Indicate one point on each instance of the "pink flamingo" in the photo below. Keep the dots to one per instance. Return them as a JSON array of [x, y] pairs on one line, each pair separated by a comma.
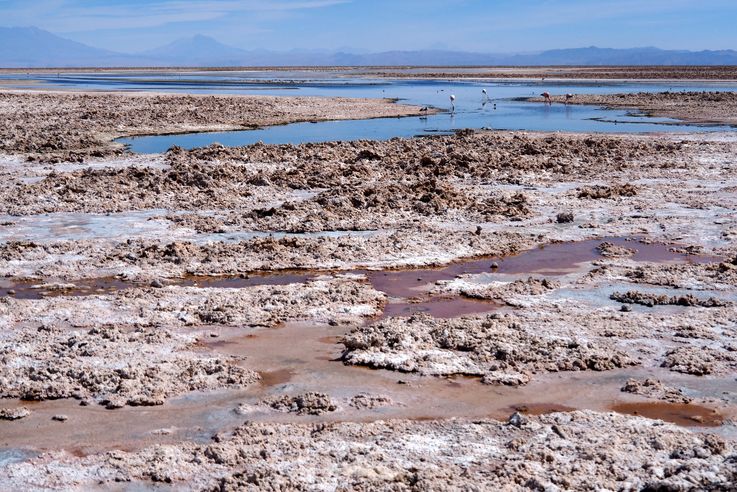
[[546, 96], [569, 96]]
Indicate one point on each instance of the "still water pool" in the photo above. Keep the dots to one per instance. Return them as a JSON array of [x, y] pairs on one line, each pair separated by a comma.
[[501, 111]]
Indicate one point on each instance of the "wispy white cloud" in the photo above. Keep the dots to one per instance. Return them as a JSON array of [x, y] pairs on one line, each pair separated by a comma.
[[555, 13], [480, 25], [71, 15]]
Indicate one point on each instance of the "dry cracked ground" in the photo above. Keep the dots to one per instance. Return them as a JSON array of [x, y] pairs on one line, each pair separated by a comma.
[[482, 311]]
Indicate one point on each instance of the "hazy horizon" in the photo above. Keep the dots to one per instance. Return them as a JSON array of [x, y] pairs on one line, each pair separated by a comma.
[[200, 36], [134, 26]]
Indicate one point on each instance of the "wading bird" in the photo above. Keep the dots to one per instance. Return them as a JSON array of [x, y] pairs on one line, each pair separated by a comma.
[[569, 96], [452, 103], [486, 96], [546, 96]]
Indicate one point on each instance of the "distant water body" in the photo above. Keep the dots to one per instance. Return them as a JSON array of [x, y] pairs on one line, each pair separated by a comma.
[[502, 110]]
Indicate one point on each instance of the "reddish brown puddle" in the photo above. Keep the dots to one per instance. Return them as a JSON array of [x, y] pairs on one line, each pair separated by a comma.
[[551, 259], [330, 340], [440, 307], [539, 408], [249, 280], [35, 289], [684, 414], [274, 378]]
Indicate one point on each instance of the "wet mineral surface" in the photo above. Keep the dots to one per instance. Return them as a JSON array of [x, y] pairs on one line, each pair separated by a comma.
[[490, 310]]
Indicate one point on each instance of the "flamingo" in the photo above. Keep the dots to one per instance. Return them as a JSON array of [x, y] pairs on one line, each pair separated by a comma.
[[569, 96], [452, 103], [486, 96], [546, 96]]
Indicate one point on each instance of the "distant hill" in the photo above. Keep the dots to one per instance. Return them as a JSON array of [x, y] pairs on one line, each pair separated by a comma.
[[31, 47], [575, 56], [27, 47], [632, 56], [197, 50]]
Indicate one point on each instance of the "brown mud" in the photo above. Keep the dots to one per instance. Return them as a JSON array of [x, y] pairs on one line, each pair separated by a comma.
[[35, 289], [52, 127], [539, 408], [553, 259], [439, 307], [684, 414], [310, 372], [550, 260], [694, 107], [288, 369]]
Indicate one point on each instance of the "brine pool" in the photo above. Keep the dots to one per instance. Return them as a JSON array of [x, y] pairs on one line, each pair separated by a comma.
[[501, 110]]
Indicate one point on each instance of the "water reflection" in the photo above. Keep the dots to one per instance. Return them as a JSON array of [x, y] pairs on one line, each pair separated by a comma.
[[472, 106]]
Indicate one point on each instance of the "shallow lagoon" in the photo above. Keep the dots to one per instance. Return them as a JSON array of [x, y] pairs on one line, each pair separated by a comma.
[[502, 110]]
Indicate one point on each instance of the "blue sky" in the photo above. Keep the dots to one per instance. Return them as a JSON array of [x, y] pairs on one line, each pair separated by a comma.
[[377, 25]]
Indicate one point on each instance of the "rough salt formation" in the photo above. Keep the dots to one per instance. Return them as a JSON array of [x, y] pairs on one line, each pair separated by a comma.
[[611, 250], [14, 413], [500, 350], [464, 155], [425, 197], [701, 361], [428, 201], [508, 292], [305, 404], [369, 402], [406, 179], [653, 388], [540, 331], [147, 259], [389, 205], [650, 300], [111, 366], [599, 192], [74, 126], [330, 299], [709, 276], [571, 451], [697, 337]]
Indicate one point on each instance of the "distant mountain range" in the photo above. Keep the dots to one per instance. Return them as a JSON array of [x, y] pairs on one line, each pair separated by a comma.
[[198, 50], [30, 47]]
